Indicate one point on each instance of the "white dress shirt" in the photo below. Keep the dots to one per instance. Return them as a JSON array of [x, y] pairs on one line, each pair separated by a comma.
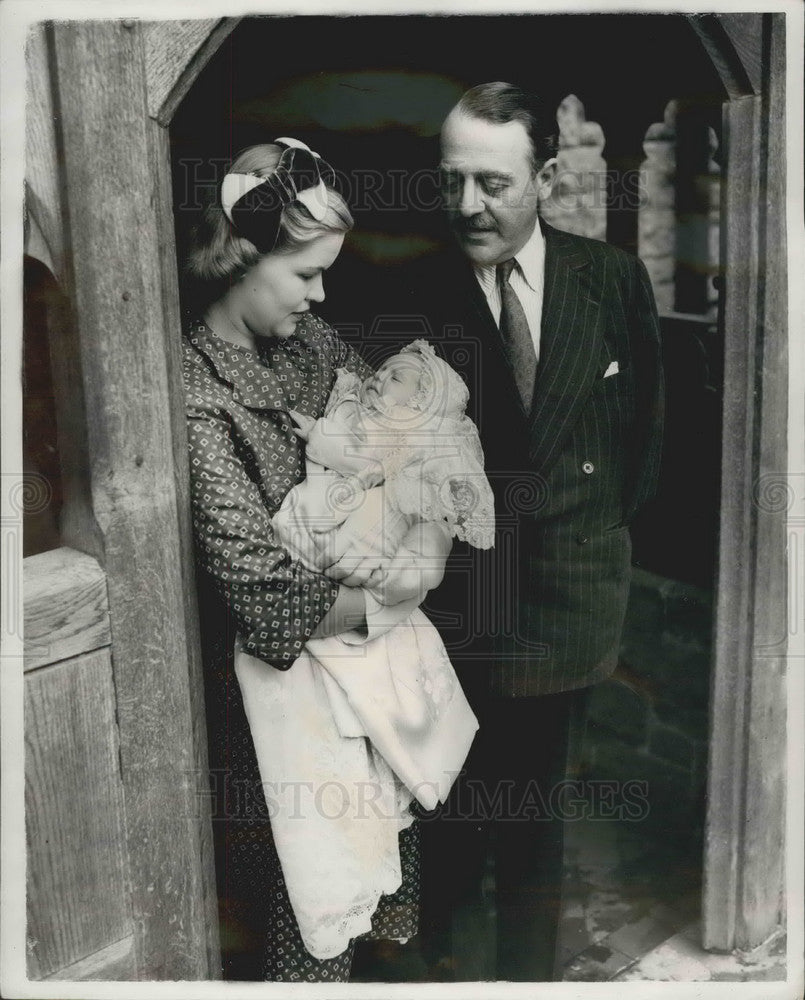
[[526, 279]]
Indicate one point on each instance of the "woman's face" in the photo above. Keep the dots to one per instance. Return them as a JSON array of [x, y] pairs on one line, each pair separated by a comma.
[[273, 295]]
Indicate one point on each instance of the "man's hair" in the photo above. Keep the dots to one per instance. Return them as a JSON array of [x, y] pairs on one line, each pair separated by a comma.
[[501, 103]]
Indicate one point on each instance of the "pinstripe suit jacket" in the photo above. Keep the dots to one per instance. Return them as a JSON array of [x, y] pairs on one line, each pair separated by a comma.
[[543, 611]]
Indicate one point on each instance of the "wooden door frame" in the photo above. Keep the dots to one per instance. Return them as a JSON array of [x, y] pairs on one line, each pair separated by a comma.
[[744, 857], [160, 62]]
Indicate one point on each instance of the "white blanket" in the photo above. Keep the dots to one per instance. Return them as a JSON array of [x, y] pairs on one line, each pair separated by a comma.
[[336, 809], [345, 739]]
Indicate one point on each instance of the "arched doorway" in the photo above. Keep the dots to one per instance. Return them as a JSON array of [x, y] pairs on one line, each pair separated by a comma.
[[320, 96]]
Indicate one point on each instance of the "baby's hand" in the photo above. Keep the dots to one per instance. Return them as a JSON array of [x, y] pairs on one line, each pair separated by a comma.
[[304, 424]]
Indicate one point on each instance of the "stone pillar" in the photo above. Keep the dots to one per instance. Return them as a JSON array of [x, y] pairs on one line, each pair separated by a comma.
[[656, 222], [578, 200]]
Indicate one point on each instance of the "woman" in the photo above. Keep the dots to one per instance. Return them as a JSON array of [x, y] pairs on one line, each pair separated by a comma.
[[257, 352]]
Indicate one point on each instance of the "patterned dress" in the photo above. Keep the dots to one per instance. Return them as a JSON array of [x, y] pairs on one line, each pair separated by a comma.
[[244, 458]]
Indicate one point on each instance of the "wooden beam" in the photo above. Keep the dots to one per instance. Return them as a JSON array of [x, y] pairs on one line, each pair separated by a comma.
[[744, 847], [733, 611], [731, 41], [160, 169], [762, 881], [116, 282], [66, 607], [175, 54]]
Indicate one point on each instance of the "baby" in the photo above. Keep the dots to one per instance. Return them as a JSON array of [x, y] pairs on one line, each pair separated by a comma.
[[404, 429], [369, 721]]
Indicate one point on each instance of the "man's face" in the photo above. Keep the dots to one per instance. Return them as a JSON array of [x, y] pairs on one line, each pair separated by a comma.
[[490, 192]]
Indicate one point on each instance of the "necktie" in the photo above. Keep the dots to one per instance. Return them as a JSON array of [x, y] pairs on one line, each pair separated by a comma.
[[516, 335]]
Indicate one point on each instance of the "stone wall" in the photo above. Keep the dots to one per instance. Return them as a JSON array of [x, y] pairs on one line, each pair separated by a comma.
[[649, 722]]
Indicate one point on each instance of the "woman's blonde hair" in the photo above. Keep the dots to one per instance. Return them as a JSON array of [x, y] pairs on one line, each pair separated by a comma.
[[219, 256]]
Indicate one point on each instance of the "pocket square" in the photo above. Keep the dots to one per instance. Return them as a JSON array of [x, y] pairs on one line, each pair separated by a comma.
[[612, 369]]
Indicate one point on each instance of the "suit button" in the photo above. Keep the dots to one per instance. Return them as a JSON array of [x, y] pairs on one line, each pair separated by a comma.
[[581, 538], [587, 468]]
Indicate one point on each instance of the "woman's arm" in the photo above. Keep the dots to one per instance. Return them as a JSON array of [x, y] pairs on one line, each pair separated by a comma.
[[347, 614], [277, 603]]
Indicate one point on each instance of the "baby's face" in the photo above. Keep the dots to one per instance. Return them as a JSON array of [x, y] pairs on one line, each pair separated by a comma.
[[396, 381]]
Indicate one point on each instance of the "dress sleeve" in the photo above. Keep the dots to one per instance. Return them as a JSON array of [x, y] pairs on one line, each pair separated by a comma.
[[277, 603]]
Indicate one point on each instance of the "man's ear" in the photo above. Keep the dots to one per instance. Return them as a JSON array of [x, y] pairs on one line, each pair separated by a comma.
[[546, 176]]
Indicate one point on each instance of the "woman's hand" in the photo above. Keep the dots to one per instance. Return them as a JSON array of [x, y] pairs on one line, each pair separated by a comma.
[[303, 424]]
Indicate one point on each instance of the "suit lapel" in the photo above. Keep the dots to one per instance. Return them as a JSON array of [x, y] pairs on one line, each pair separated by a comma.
[[570, 344]]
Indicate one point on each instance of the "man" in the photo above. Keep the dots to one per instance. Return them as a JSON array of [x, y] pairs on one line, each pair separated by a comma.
[[566, 387]]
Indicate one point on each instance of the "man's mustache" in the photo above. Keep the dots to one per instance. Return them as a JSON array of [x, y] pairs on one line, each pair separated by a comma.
[[477, 225]]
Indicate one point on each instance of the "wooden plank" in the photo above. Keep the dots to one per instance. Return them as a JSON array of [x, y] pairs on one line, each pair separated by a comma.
[[175, 53], [730, 694], [766, 761], [746, 796], [115, 963], [116, 280], [77, 877], [66, 607]]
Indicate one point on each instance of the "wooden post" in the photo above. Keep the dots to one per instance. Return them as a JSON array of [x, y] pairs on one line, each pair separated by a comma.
[[113, 229], [744, 848], [159, 151]]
